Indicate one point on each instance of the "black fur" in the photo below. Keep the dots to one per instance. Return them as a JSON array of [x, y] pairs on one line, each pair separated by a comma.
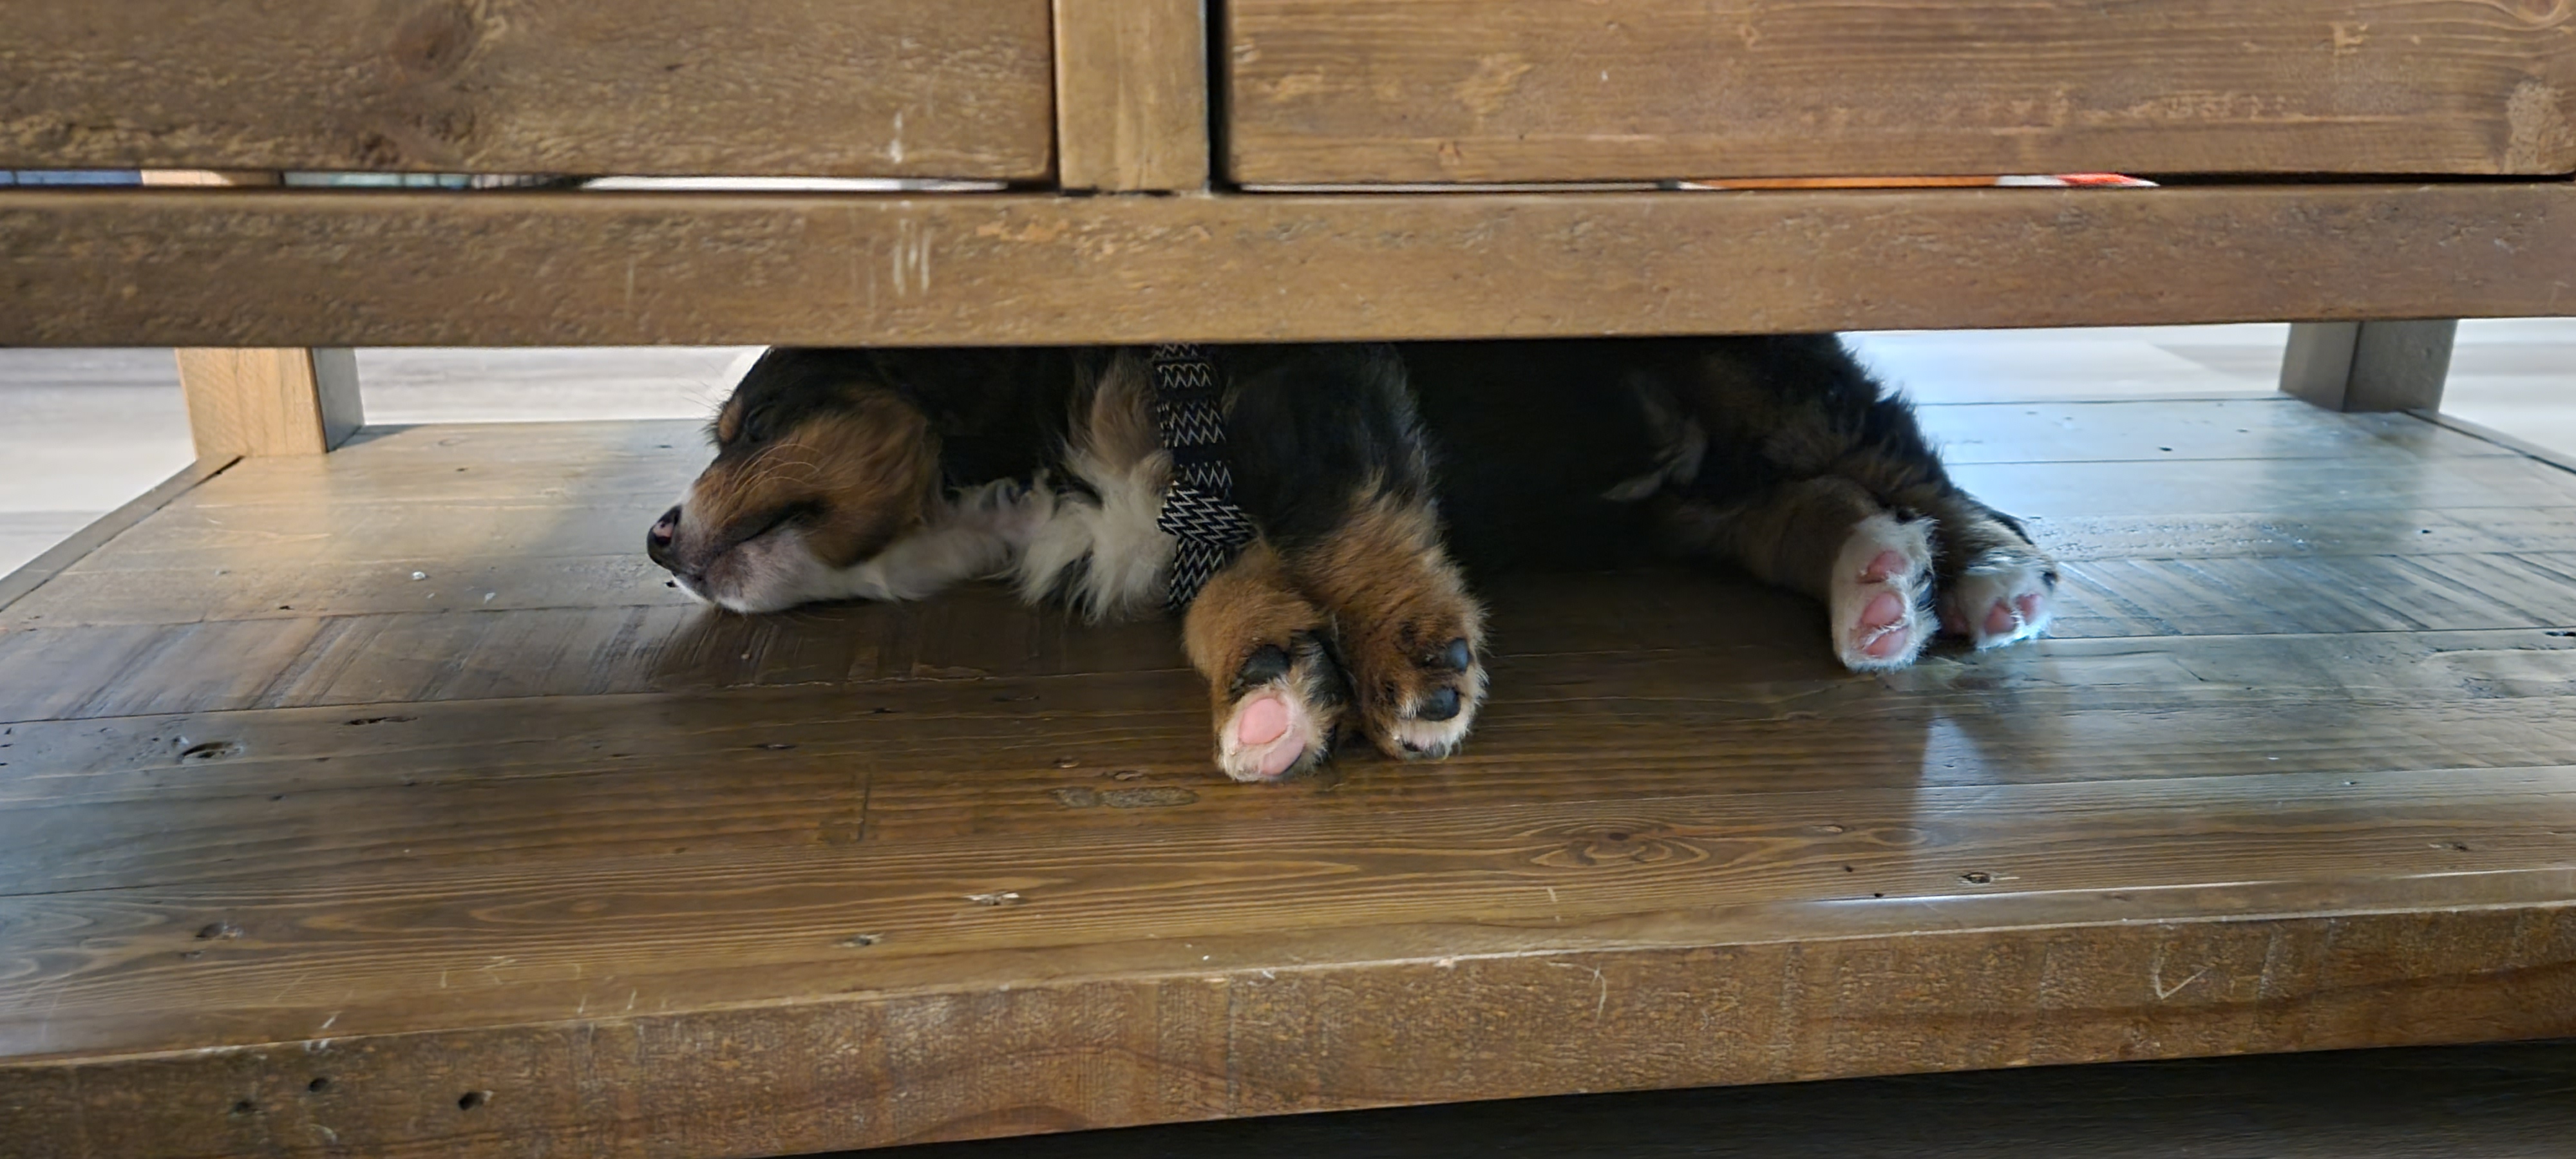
[[1518, 442]]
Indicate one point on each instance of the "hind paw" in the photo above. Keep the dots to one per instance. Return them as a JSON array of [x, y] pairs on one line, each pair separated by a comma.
[[1280, 715], [1880, 591], [2000, 598]]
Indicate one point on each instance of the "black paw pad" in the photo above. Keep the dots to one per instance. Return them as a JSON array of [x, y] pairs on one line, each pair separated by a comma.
[[1456, 657], [1438, 704], [1267, 663]]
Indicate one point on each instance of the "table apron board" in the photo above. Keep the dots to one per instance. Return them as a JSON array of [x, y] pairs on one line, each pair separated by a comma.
[[265, 268]]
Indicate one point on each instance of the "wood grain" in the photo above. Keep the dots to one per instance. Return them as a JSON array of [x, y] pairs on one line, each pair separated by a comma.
[[686, 87], [1531, 90], [114, 970], [1184, 1039], [1131, 95], [147, 267]]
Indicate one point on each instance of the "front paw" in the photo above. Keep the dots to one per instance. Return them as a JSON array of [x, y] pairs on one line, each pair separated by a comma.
[[1280, 713], [2001, 597], [1880, 593], [1419, 683]]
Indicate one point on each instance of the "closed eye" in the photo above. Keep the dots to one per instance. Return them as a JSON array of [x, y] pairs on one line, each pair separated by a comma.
[[746, 530]]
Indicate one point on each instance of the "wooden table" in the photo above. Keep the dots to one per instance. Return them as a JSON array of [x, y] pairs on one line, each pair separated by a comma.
[[386, 802]]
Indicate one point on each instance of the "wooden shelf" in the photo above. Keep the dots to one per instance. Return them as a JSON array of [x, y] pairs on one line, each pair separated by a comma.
[[387, 802], [346, 268]]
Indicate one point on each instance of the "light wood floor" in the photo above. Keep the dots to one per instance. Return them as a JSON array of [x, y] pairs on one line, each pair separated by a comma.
[[390, 802]]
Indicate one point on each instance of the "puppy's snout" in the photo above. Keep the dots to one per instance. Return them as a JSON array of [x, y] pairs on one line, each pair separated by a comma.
[[657, 542]]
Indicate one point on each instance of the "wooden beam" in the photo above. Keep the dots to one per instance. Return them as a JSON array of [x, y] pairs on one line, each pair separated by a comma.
[[888, 88], [1174, 1036], [1131, 95], [320, 267], [2369, 366], [262, 402], [1541, 90], [291, 401]]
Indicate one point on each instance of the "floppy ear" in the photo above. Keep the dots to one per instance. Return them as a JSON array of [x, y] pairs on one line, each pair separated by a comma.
[[878, 462], [851, 476]]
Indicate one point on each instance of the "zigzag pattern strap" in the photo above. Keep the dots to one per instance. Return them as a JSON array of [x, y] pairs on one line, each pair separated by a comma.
[[1198, 505]]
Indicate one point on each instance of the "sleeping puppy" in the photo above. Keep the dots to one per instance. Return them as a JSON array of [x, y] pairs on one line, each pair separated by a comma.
[[1367, 473]]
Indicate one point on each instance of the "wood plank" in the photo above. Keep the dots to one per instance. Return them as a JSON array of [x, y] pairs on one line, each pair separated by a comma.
[[2419, 531], [1132, 95], [166, 797], [2100, 432], [2283, 486], [686, 87], [764, 923], [2421, 949], [409, 268], [723, 1083], [1529, 90], [2501, 1101], [363, 793]]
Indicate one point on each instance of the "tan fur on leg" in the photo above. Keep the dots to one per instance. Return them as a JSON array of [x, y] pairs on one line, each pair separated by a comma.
[[1409, 632], [1277, 696]]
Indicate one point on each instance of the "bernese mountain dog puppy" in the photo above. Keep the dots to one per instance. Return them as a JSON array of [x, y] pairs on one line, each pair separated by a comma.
[[1368, 475]]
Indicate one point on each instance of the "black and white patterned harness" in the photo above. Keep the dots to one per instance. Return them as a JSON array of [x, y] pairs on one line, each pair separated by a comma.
[[1198, 506]]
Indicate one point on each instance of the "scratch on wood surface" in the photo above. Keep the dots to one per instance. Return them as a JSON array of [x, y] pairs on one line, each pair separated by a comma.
[[1599, 1004], [2156, 977], [911, 258]]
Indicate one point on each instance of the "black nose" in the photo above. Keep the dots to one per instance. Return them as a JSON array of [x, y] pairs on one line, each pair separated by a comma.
[[657, 542]]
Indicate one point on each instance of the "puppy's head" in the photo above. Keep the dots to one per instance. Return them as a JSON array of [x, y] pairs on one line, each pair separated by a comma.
[[820, 465]]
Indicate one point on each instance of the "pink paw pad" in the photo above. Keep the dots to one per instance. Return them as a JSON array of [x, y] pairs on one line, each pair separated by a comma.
[[1262, 721], [1879, 624], [1874, 597]]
